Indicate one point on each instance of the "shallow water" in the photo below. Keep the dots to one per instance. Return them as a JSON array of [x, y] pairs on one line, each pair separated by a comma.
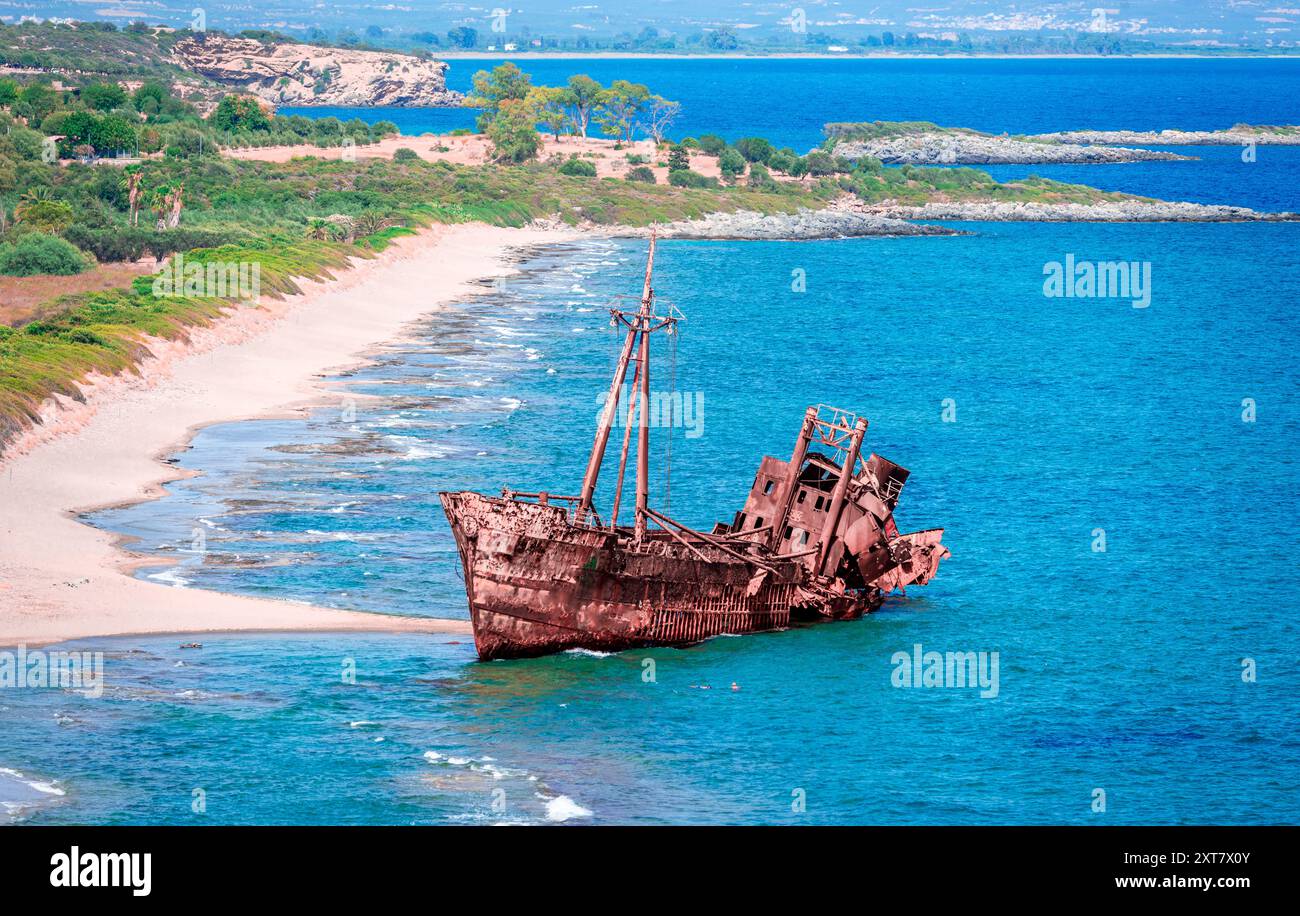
[[1118, 670]]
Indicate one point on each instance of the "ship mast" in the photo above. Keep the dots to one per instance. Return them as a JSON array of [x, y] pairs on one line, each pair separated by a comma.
[[640, 325]]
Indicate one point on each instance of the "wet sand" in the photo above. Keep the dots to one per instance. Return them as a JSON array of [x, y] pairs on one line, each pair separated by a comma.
[[61, 579]]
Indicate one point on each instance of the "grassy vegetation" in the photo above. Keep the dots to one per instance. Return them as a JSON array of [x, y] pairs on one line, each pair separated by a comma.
[[880, 130], [912, 185], [264, 210]]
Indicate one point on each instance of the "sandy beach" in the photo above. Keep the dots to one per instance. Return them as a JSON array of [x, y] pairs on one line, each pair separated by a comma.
[[610, 158], [61, 579]]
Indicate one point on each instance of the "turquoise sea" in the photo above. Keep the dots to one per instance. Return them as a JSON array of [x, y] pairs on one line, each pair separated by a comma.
[[1073, 420]]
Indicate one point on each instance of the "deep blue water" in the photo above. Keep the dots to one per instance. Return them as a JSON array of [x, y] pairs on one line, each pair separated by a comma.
[[1118, 670], [789, 100]]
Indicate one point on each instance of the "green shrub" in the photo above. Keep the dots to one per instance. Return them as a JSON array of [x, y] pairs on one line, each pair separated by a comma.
[[760, 179], [580, 168], [41, 254], [731, 163], [712, 144], [641, 173], [755, 149], [685, 178], [405, 154]]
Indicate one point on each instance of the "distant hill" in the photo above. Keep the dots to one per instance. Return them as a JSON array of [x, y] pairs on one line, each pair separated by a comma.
[[276, 69]]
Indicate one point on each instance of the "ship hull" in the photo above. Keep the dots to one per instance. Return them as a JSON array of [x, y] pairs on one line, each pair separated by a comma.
[[538, 584]]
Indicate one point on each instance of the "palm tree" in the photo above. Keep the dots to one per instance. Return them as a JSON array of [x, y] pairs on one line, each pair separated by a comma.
[[320, 229], [370, 222], [131, 184]]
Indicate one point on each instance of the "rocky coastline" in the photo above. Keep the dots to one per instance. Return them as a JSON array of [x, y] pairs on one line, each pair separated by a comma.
[[1110, 211], [306, 75], [961, 148], [1280, 135], [802, 225]]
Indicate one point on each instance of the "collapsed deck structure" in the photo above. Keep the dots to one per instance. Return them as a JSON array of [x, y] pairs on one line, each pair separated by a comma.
[[816, 539]]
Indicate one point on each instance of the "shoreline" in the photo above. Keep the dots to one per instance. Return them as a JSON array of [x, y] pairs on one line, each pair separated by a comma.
[[63, 579]]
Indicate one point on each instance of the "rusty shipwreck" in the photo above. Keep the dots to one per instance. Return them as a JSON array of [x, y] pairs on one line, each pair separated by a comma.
[[816, 539]]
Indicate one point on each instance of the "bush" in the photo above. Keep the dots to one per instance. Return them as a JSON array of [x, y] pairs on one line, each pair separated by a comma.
[[760, 178], [782, 161], [731, 163], [127, 243], [755, 149], [578, 167], [712, 144], [685, 178], [41, 254], [405, 154], [641, 173]]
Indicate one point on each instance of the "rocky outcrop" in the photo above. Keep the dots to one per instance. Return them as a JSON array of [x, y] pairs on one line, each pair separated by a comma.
[[1110, 211], [294, 74], [962, 148], [1280, 135], [802, 225]]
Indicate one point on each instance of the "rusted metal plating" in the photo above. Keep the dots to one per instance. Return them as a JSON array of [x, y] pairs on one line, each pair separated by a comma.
[[816, 539]]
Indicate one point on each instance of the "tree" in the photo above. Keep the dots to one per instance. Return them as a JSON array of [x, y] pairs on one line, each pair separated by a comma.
[[513, 131], [463, 37], [149, 98], [755, 149], [131, 183], [40, 213], [551, 110], [820, 162], [505, 82], [624, 104], [678, 159], [583, 95], [40, 99], [722, 40], [319, 229], [166, 204], [112, 134], [712, 144], [104, 96], [76, 127], [781, 160], [660, 114], [731, 164], [234, 113], [8, 91]]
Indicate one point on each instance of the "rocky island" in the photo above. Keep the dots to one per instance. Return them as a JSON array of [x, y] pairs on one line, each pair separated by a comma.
[[285, 74], [923, 143], [1237, 135]]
